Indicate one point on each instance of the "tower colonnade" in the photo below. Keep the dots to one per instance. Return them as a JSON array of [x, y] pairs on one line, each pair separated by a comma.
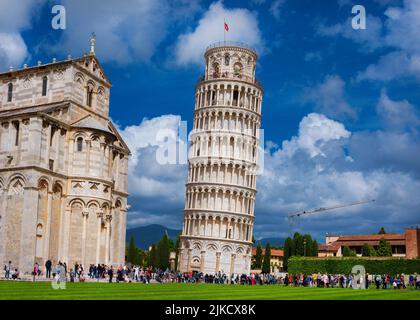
[[223, 154]]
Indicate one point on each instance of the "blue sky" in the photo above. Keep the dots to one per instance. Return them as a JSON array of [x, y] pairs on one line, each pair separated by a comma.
[[340, 109]]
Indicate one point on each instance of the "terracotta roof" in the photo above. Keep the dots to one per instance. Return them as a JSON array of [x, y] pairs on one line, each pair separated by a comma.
[[333, 247], [274, 252], [372, 237], [359, 240]]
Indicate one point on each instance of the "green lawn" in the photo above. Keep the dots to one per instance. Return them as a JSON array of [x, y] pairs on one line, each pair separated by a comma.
[[86, 291]]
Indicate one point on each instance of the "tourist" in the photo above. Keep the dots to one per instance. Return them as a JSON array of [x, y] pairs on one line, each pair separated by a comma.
[[35, 271], [48, 265], [110, 274], [15, 275], [377, 281], [7, 269], [82, 277]]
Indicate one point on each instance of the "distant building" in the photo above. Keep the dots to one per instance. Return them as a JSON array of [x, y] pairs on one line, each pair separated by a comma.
[[276, 259], [403, 245]]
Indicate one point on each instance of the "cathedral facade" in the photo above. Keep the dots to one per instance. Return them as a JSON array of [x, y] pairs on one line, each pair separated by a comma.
[[63, 167], [221, 188]]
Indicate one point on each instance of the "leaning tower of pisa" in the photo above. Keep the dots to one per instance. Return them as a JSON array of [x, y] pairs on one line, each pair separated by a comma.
[[221, 187]]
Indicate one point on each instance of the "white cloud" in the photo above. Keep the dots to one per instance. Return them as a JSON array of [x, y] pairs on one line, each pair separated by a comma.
[[155, 189], [328, 98], [315, 130], [398, 115], [313, 56], [243, 27], [275, 8], [299, 180], [368, 39], [397, 64], [402, 25], [15, 18], [13, 50], [323, 165], [125, 33]]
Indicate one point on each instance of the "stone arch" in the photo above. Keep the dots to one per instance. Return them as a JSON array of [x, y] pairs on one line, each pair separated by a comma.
[[17, 177], [14, 217], [227, 249], [79, 79], [45, 180], [93, 223], [116, 227], [211, 247], [78, 201], [77, 207], [56, 220], [78, 134], [100, 94]]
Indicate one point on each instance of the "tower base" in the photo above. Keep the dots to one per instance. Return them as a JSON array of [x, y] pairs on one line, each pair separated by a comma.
[[212, 256]]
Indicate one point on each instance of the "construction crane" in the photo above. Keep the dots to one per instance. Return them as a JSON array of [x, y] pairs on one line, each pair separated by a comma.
[[293, 215]]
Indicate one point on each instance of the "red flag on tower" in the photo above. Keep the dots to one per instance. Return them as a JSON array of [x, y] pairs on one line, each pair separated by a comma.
[[226, 27]]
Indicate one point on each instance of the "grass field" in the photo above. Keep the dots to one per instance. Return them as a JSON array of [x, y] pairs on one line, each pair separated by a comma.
[[133, 291]]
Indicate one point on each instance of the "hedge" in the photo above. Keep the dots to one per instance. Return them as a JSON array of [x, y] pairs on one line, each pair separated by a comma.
[[343, 265]]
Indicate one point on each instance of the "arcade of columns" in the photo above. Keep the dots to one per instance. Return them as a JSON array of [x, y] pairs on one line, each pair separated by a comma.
[[221, 188]]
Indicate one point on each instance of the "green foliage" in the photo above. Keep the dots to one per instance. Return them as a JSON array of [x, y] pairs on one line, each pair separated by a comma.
[[288, 251], [347, 252], [266, 262], [382, 231], [300, 245], [368, 250], [176, 249], [163, 249], [344, 265], [258, 257], [384, 248], [134, 255], [153, 256]]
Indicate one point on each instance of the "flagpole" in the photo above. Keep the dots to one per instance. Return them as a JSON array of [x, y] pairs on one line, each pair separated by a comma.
[[224, 30]]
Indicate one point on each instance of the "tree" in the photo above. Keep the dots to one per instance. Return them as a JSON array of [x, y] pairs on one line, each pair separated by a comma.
[[384, 248], [132, 251], [176, 249], [368, 250], [163, 249], [347, 252], [288, 251], [299, 245], [266, 265], [314, 249], [382, 231], [258, 257], [153, 257]]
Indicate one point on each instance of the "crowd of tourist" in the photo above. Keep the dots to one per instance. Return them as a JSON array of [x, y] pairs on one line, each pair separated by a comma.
[[139, 274]]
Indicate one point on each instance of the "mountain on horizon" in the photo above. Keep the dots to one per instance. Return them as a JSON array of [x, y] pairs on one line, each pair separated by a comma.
[[274, 242], [145, 236]]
